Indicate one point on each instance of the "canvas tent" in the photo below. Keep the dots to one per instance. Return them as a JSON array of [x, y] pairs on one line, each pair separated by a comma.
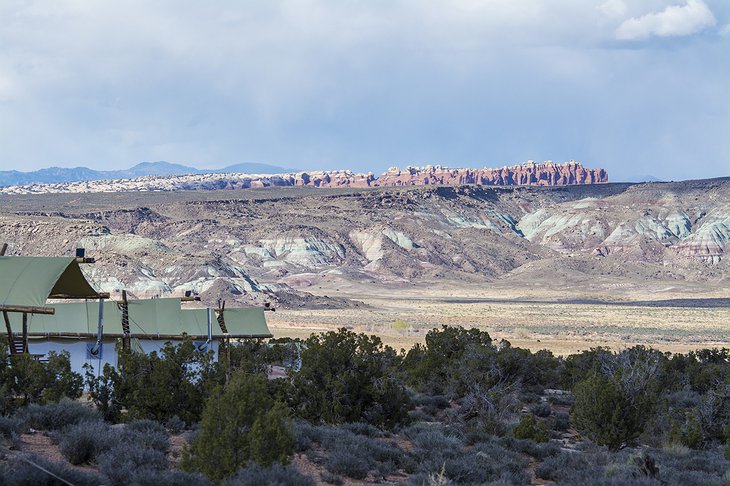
[[152, 323], [30, 281], [26, 283]]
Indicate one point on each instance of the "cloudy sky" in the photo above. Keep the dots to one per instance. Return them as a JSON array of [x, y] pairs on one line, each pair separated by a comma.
[[639, 87]]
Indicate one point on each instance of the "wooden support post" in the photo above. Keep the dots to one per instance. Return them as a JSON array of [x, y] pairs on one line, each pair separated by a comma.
[[25, 332], [126, 341], [100, 295], [8, 327], [26, 309], [221, 318]]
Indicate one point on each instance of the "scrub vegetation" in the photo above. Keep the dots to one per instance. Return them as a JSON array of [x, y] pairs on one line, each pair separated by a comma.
[[459, 409]]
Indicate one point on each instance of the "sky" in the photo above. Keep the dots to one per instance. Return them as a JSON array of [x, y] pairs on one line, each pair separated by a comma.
[[638, 87]]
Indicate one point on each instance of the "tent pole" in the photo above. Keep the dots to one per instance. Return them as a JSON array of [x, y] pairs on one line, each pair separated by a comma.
[[210, 327], [25, 332], [99, 328]]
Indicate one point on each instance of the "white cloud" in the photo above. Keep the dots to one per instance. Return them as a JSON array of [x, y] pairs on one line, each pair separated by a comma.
[[613, 8], [674, 20], [725, 32], [343, 83]]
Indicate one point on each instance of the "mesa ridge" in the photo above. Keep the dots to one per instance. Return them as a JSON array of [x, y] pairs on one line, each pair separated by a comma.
[[529, 174]]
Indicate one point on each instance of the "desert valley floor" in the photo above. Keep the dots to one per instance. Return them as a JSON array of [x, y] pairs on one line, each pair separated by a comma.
[[562, 268]]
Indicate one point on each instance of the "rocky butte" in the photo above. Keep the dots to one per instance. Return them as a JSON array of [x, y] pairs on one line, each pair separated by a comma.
[[528, 174]]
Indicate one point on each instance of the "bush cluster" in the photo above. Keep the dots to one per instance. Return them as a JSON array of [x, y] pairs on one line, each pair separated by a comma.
[[240, 424], [24, 380], [460, 409], [349, 377], [172, 383]]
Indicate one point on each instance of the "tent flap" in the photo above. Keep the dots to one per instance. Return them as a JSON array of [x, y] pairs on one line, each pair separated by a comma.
[[246, 322]]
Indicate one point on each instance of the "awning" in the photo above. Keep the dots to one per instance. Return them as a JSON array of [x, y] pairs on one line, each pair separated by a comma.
[[73, 319], [155, 317], [30, 281], [148, 319], [194, 322], [246, 322]]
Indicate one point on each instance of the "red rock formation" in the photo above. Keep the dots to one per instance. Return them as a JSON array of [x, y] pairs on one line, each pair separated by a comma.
[[545, 174]]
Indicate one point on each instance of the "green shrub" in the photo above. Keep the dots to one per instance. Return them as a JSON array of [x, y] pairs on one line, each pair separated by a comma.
[[603, 413], [542, 410], [271, 437], [240, 424], [127, 463], [249, 356], [25, 380], [349, 377], [56, 416], [530, 447], [10, 427], [274, 475], [19, 472], [688, 434], [439, 454], [529, 428], [431, 367], [157, 386], [146, 434], [62, 382], [355, 456], [175, 424], [84, 442]]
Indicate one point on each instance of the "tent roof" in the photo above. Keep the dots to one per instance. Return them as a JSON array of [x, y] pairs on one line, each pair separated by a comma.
[[148, 319], [30, 281]]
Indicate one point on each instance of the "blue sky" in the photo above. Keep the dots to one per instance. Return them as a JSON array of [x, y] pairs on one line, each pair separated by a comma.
[[635, 86]]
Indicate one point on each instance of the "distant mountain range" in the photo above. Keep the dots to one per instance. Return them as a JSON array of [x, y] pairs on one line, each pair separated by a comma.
[[643, 178], [54, 175]]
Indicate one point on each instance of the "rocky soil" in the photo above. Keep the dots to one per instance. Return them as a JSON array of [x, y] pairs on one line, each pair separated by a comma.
[[286, 244]]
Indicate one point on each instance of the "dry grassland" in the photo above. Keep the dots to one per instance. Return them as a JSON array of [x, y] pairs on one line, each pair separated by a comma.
[[557, 323]]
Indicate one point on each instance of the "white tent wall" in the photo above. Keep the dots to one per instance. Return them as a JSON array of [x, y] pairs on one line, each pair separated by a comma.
[[77, 349]]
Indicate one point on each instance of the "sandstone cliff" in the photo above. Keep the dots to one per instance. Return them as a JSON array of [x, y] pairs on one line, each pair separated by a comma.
[[529, 174], [545, 174]]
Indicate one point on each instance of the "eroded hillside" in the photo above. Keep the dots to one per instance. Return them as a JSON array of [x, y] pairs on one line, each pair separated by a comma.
[[276, 244]]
